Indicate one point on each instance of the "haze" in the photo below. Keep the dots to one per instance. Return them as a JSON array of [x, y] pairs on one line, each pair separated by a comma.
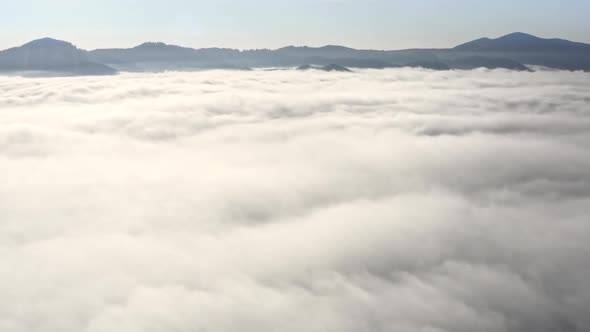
[[376, 24]]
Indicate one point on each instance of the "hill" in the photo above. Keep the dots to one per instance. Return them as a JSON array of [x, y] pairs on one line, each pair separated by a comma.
[[51, 55], [522, 42]]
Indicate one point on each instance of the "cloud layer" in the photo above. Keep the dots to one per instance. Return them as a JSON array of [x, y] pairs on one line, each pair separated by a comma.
[[395, 200]]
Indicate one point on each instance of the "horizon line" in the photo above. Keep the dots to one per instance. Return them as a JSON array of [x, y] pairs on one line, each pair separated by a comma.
[[283, 47]]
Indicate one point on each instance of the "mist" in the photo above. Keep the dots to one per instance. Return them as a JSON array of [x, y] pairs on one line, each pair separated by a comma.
[[379, 200]]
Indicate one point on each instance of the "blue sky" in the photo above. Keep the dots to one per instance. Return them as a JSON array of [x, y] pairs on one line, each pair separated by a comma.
[[380, 24]]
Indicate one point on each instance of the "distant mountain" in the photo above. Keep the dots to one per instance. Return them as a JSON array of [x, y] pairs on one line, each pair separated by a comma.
[[522, 42], [51, 55], [366, 63], [529, 49], [158, 56], [324, 51], [514, 51]]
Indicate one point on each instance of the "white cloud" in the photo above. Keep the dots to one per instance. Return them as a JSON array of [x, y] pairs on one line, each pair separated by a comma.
[[406, 200]]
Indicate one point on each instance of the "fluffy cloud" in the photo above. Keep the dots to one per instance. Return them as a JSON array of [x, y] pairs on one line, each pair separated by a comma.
[[394, 200]]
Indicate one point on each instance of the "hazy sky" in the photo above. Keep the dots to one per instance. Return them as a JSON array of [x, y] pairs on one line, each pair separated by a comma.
[[381, 24]]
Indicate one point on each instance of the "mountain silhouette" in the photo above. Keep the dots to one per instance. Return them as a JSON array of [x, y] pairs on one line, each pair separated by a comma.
[[522, 42], [158, 56], [51, 55], [531, 50], [514, 52]]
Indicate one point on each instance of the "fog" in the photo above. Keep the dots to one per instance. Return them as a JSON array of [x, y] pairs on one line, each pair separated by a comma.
[[394, 200]]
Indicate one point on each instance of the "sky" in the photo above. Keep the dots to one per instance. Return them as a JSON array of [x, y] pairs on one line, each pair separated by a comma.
[[376, 24]]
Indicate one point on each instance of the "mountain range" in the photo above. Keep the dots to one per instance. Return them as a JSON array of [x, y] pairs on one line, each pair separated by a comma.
[[516, 51]]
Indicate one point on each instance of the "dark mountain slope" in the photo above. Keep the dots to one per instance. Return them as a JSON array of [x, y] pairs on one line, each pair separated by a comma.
[[528, 49], [522, 42], [51, 55], [159, 56]]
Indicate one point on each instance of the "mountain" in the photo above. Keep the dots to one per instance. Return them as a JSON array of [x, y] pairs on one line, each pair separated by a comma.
[[324, 51], [366, 63], [53, 56], [514, 51], [522, 42], [530, 50], [158, 56]]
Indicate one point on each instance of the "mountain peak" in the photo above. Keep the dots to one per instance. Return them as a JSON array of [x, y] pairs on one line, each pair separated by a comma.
[[48, 42], [335, 48], [152, 45], [159, 46], [521, 42], [521, 38], [51, 55], [518, 36]]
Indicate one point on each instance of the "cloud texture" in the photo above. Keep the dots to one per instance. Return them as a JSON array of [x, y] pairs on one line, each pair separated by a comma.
[[395, 200]]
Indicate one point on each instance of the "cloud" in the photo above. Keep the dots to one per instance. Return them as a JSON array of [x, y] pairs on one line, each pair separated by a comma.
[[405, 200]]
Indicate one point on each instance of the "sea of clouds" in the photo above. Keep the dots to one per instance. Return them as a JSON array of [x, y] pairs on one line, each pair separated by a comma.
[[396, 200]]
